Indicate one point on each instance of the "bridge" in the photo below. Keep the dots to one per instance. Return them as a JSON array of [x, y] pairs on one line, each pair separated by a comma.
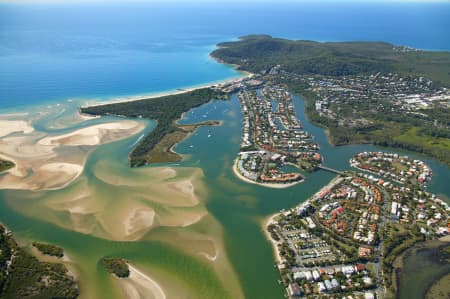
[[330, 169]]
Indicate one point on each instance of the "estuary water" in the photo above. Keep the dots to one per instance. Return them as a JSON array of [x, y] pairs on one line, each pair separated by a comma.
[[50, 54]]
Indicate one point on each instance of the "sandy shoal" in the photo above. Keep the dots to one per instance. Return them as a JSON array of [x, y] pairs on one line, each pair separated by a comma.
[[14, 126], [115, 210], [139, 219], [174, 187], [93, 135], [138, 285], [45, 162]]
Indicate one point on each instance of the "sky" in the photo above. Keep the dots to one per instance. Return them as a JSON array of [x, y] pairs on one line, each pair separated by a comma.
[[223, 1]]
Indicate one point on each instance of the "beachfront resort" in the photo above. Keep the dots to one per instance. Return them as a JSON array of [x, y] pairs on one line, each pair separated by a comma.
[[344, 239], [272, 138]]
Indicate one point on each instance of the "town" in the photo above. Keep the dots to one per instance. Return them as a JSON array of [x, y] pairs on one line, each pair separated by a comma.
[[353, 100], [343, 240], [272, 137], [393, 166]]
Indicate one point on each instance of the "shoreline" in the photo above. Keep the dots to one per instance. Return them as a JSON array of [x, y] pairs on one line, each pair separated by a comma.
[[268, 185], [268, 221], [271, 220], [176, 91]]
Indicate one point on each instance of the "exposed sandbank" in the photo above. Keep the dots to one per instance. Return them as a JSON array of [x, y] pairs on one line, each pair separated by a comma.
[[93, 135], [45, 162], [138, 285], [14, 126]]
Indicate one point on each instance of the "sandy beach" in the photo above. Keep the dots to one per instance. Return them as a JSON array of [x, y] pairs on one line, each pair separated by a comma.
[[167, 93], [274, 243]]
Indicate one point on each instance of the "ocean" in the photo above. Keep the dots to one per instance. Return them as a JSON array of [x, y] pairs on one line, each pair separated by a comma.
[[51, 53]]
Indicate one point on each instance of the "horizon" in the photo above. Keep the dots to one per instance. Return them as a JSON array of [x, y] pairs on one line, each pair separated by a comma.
[[69, 2]]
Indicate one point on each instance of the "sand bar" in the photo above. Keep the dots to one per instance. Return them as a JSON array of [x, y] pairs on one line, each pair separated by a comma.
[[52, 162], [140, 286], [14, 126], [93, 135]]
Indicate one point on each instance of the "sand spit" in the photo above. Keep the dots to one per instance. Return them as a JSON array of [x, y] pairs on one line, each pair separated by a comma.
[[140, 286], [52, 162], [14, 126]]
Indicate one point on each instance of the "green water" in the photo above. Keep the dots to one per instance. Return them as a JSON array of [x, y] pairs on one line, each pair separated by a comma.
[[421, 268], [239, 208]]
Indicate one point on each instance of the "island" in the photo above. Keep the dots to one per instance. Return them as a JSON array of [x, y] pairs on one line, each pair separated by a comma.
[[5, 165], [345, 238], [116, 266], [23, 276], [166, 110], [362, 92], [49, 249]]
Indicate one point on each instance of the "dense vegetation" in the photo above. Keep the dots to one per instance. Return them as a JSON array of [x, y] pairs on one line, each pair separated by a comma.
[[49, 249], [259, 53], [117, 266], [5, 165], [165, 110], [397, 240], [388, 129], [24, 276]]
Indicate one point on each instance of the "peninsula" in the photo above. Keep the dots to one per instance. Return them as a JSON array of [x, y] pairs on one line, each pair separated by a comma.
[[272, 137], [166, 110], [362, 92]]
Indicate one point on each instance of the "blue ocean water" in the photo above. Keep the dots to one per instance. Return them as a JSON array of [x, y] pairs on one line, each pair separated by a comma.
[[51, 53]]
